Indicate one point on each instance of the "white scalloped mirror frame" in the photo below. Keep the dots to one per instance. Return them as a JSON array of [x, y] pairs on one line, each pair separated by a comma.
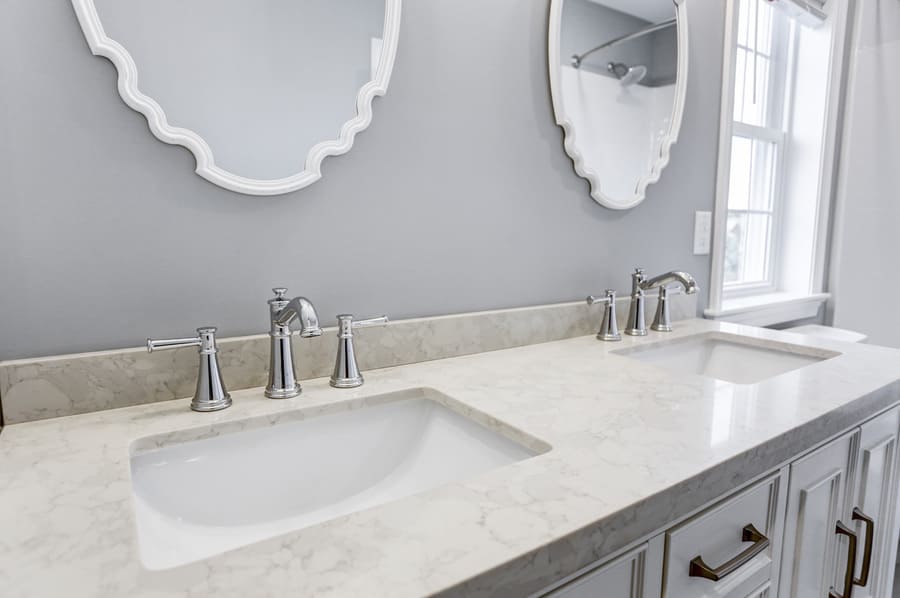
[[101, 45], [584, 170]]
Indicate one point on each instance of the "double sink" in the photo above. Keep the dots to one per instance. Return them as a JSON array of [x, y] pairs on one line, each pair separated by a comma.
[[198, 498]]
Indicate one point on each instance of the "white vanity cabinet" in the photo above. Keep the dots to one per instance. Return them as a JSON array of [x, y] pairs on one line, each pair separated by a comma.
[[636, 574], [732, 549], [821, 490], [877, 499], [841, 523], [825, 526]]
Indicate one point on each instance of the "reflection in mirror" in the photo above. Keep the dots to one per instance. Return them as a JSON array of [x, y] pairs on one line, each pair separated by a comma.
[[618, 71], [261, 92]]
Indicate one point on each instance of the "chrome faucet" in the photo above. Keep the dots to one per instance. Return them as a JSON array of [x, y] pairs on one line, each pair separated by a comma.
[[283, 383], [609, 328], [346, 370], [210, 394], [637, 324]]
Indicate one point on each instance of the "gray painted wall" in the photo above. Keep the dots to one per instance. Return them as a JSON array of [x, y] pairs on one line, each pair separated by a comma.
[[458, 198]]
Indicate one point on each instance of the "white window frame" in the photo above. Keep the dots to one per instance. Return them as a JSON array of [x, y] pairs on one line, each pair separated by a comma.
[[773, 132], [766, 304]]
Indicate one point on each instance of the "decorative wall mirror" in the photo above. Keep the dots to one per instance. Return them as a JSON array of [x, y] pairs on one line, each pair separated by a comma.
[[618, 76], [260, 92]]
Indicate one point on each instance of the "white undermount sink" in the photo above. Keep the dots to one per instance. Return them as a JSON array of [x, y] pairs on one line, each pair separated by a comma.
[[204, 497], [729, 357]]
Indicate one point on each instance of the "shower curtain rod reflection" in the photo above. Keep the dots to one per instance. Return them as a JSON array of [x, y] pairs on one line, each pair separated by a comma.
[[577, 59]]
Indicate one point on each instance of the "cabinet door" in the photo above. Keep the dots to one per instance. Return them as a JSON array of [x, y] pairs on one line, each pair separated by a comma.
[[636, 574], [877, 501], [821, 489]]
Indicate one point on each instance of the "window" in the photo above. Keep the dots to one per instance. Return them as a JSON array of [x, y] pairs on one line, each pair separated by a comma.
[[758, 138], [783, 60]]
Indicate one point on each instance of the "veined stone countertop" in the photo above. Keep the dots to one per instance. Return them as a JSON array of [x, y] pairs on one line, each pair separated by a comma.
[[633, 448]]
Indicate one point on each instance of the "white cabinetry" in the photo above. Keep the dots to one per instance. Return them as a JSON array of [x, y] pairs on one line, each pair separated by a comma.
[[818, 501], [732, 549], [876, 501], [841, 530], [636, 574], [824, 527]]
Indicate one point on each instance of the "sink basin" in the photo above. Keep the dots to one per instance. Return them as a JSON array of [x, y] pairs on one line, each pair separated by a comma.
[[729, 357], [203, 497]]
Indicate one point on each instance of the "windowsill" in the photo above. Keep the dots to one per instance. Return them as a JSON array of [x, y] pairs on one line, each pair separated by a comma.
[[769, 309]]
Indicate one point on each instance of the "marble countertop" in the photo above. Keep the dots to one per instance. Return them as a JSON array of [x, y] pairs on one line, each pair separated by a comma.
[[633, 447]]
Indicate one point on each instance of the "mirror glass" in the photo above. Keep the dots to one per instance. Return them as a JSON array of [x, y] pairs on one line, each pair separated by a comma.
[[618, 72], [260, 91]]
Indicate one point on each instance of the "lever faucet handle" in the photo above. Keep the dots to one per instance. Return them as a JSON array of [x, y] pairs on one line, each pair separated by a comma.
[[609, 328], [346, 369], [609, 296], [172, 343], [346, 324], [205, 339], [210, 394], [379, 321]]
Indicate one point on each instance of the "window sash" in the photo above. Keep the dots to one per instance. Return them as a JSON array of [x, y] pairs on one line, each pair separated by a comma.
[[776, 50]]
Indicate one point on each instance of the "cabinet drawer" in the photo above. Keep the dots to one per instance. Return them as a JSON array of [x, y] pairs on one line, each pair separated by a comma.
[[737, 540]]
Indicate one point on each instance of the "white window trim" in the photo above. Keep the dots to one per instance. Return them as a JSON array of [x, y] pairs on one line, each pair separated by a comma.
[[771, 308], [783, 57]]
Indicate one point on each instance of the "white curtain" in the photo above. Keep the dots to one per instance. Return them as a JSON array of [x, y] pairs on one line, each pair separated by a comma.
[[867, 243]]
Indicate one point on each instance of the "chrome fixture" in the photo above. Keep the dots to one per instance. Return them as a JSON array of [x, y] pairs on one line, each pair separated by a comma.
[[210, 394], [627, 75], [609, 329], [637, 324], [283, 383], [346, 370], [577, 59]]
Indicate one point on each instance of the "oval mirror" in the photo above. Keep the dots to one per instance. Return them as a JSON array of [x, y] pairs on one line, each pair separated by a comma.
[[260, 92], [618, 74]]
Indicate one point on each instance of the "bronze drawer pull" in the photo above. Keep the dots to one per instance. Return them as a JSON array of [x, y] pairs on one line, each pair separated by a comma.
[[749, 534], [843, 530], [858, 515]]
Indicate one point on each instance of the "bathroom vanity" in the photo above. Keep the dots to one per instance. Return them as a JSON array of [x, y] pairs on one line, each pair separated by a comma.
[[568, 468]]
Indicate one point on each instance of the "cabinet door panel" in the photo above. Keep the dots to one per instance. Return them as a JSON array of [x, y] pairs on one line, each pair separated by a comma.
[[636, 574], [821, 487], [877, 498]]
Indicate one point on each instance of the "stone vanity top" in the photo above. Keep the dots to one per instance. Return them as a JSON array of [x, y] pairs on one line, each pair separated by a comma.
[[634, 447]]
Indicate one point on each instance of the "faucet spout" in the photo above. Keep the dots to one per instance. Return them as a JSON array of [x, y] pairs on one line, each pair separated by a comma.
[[300, 308], [662, 323], [683, 278], [283, 383]]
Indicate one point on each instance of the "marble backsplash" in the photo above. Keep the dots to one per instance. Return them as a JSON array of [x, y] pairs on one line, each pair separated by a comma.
[[43, 388]]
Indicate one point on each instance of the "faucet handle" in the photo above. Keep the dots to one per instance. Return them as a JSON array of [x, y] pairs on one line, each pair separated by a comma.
[[346, 324], [609, 328], [210, 394], [205, 339], [346, 370], [379, 321], [609, 296]]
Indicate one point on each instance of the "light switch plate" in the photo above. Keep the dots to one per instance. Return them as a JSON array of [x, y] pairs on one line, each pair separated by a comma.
[[702, 233]]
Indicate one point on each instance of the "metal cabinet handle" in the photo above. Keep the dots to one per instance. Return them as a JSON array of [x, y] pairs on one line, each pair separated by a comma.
[[843, 530], [748, 534], [858, 515]]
